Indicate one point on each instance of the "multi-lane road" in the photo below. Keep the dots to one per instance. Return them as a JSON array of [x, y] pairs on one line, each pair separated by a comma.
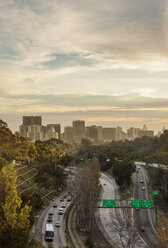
[[144, 217], [113, 219], [59, 238]]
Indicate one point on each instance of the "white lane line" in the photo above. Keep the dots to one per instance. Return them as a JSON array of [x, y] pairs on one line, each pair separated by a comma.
[[143, 240], [148, 198]]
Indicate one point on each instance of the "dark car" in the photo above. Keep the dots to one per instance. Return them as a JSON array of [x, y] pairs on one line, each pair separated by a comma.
[[69, 199], [142, 229], [50, 218], [54, 205], [51, 213], [61, 199]]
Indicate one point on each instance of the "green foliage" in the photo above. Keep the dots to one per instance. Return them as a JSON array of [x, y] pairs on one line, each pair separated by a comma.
[[34, 244], [122, 171], [14, 218]]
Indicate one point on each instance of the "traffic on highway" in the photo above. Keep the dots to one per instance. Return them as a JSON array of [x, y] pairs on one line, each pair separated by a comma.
[[51, 222]]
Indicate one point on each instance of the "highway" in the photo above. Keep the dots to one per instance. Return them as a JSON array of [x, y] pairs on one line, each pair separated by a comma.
[[59, 238], [113, 219], [144, 217]]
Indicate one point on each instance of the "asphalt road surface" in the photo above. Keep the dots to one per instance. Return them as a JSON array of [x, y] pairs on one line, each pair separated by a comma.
[[113, 219], [59, 239], [144, 217]]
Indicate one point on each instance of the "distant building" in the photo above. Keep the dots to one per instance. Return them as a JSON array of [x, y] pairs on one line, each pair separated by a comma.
[[35, 132], [94, 132], [145, 132], [29, 121], [68, 135], [109, 133], [57, 128], [32, 120], [32, 128], [119, 133], [132, 133], [51, 133], [144, 128], [79, 130], [149, 133]]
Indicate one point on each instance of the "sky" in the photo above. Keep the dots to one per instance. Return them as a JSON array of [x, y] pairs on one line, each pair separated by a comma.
[[103, 61]]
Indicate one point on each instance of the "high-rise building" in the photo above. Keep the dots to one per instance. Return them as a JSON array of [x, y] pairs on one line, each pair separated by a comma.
[[50, 133], [68, 135], [132, 133], [57, 128], [79, 130], [119, 135], [108, 133], [32, 120], [35, 132], [144, 128], [149, 133], [94, 132]]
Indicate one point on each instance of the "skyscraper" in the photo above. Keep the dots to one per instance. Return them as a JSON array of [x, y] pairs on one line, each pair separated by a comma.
[[57, 128], [79, 130], [32, 120]]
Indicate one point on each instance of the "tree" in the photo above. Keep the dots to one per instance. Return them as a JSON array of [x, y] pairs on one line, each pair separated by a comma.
[[162, 230], [123, 230], [14, 218], [122, 171], [86, 193]]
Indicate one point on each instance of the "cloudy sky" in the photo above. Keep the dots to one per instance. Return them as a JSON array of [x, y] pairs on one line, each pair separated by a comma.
[[105, 61]]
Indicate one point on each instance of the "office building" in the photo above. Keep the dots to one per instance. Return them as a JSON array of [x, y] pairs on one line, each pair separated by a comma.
[[32, 120], [79, 130], [57, 128], [94, 133], [35, 132], [108, 133]]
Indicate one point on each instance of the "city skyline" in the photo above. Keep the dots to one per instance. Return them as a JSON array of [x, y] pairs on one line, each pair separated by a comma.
[[102, 61], [49, 121], [32, 127]]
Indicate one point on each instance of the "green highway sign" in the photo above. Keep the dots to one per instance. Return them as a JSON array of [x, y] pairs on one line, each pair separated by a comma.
[[147, 203], [135, 203], [95, 154], [109, 203], [155, 192]]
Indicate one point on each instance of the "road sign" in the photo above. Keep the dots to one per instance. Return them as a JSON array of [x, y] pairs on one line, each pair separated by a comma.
[[109, 203], [155, 192], [147, 203], [135, 203]]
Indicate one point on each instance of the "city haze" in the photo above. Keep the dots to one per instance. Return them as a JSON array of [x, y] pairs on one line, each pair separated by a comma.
[[101, 61]]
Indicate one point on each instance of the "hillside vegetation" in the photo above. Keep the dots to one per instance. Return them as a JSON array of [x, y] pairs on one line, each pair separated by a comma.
[[30, 174]]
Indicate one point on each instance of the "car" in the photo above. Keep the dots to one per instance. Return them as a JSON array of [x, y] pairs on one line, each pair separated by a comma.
[[57, 224], [138, 167], [54, 205], [142, 229], [61, 199], [143, 188], [104, 184], [63, 205], [51, 213], [50, 218], [69, 199], [64, 196], [137, 209], [141, 181], [61, 211]]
